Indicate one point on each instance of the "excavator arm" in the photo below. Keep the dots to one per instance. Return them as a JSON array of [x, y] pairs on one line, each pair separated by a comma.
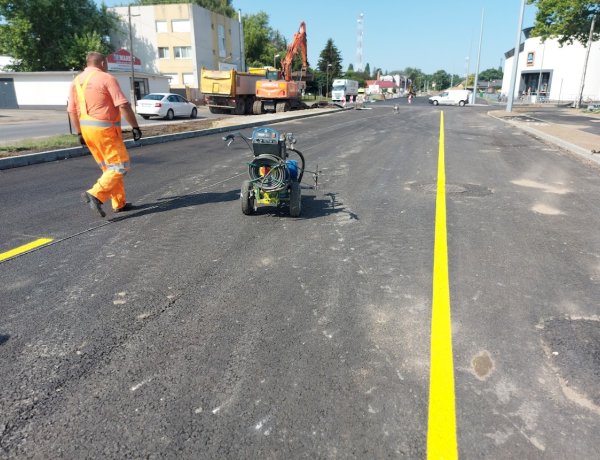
[[298, 43]]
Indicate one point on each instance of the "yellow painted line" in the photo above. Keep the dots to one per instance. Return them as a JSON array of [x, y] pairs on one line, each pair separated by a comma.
[[441, 430], [25, 248]]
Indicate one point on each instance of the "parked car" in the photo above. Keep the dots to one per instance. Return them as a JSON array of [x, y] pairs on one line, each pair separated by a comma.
[[165, 105], [451, 97]]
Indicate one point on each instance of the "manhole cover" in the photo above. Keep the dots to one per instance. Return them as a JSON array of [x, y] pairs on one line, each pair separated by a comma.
[[573, 346], [473, 190]]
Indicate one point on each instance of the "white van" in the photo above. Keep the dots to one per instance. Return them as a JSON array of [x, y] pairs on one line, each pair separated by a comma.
[[451, 97]]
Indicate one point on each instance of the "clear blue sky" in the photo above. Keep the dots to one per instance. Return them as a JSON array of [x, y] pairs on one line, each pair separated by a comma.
[[431, 35]]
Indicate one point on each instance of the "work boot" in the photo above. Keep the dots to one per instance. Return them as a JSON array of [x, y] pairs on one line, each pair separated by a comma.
[[125, 207], [95, 203]]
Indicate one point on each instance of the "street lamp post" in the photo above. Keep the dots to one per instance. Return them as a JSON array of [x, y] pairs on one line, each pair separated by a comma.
[[327, 85], [275, 60]]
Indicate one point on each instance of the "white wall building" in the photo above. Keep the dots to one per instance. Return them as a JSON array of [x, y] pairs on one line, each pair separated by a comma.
[[553, 70], [50, 90]]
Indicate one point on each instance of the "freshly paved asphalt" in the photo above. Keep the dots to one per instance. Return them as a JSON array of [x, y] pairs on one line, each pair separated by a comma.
[[186, 329]]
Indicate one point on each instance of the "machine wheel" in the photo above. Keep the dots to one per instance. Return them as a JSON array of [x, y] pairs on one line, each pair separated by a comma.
[[282, 107], [295, 199], [257, 108], [213, 109], [436, 103], [249, 102], [194, 113], [170, 115], [461, 103], [240, 107], [247, 198]]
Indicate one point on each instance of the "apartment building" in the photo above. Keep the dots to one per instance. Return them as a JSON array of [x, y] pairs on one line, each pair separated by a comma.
[[176, 40]]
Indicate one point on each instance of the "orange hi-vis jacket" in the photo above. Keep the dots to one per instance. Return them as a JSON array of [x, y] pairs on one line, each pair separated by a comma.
[[105, 141]]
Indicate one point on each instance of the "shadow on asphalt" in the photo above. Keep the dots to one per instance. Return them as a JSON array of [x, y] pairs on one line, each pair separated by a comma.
[[4, 339], [178, 202], [312, 206]]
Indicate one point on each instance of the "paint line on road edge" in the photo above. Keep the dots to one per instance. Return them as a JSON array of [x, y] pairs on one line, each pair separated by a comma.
[[441, 430], [25, 248]]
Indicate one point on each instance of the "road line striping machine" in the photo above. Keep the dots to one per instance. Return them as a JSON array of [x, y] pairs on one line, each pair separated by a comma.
[[274, 178]]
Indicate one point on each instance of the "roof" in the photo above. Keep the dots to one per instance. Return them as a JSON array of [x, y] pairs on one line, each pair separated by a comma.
[[381, 83]]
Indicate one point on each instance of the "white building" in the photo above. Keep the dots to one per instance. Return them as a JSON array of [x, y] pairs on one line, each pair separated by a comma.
[[553, 71], [177, 40], [50, 90]]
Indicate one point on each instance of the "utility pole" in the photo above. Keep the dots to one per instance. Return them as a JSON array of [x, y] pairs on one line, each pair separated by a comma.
[[478, 58], [513, 78], [241, 33], [587, 56], [132, 60]]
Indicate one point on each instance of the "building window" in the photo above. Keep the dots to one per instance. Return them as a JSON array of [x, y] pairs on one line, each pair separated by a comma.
[[173, 78], [189, 80], [163, 53], [161, 26], [180, 25], [221, 36], [182, 52]]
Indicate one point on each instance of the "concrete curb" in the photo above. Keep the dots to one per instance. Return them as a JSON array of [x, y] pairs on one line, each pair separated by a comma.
[[63, 154], [561, 143]]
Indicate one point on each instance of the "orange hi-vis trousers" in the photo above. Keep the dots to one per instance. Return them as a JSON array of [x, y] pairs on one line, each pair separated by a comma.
[[105, 141]]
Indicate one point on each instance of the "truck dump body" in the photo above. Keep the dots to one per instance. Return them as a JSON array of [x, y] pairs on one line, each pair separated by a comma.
[[229, 90]]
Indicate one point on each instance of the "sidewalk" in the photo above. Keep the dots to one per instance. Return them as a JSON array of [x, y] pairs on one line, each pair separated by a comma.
[[570, 129]]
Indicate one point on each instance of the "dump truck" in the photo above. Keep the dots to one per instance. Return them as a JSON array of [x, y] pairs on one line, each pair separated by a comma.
[[230, 91]]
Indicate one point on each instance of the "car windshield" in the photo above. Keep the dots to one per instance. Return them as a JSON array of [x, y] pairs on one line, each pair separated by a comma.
[[339, 87], [154, 97]]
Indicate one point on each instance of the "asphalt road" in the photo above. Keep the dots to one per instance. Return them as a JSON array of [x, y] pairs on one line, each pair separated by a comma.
[[187, 329]]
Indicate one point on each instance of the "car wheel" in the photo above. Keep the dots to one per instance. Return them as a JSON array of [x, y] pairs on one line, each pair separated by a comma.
[[194, 113], [145, 117], [170, 115], [436, 103], [461, 103]]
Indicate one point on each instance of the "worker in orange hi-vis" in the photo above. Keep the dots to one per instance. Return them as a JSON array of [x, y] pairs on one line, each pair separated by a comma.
[[96, 105]]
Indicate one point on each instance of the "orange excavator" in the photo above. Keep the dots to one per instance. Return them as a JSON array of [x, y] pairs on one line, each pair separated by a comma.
[[279, 92]]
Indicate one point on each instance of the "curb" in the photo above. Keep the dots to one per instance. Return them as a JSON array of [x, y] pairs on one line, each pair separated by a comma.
[[73, 152], [561, 143]]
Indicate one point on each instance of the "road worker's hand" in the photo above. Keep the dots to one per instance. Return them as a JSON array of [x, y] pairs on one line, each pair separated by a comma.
[[137, 134], [81, 139]]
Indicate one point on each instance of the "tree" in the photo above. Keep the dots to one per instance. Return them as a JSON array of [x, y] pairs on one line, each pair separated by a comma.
[[441, 78], [53, 34], [329, 65], [566, 20], [367, 71], [223, 7], [350, 68], [491, 74], [262, 43]]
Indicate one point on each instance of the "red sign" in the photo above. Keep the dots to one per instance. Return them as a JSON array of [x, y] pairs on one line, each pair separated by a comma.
[[121, 60]]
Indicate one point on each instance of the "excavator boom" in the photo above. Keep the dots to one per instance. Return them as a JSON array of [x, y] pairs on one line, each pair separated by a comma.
[[284, 94], [298, 43]]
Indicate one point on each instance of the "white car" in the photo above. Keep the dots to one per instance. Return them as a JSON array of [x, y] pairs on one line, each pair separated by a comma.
[[451, 97], [165, 105]]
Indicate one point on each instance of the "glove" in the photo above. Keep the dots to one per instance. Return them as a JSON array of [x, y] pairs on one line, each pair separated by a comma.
[[137, 134], [81, 139]]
